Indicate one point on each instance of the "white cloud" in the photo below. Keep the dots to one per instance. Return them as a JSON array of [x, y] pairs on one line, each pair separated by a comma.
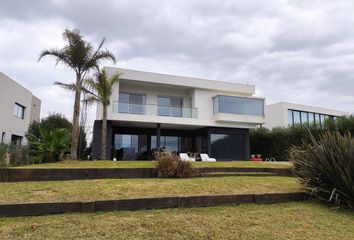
[[300, 51]]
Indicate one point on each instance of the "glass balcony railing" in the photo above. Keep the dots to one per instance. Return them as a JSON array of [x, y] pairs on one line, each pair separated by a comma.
[[154, 110]]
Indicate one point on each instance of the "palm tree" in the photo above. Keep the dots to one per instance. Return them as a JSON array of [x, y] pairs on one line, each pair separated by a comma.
[[100, 90], [80, 56]]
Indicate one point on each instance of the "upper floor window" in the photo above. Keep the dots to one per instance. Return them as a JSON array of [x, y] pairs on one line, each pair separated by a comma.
[[19, 111], [133, 103], [239, 105], [170, 106], [302, 117]]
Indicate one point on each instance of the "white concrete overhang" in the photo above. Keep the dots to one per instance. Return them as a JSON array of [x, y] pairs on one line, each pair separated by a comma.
[[158, 79], [239, 118]]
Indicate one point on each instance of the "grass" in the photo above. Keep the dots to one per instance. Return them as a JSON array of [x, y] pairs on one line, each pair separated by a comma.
[[149, 164], [88, 190], [250, 221]]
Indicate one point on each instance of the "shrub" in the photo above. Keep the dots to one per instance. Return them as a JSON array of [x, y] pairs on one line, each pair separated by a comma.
[[51, 146], [169, 165], [19, 155], [277, 142], [52, 122], [3, 150], [326, 167]]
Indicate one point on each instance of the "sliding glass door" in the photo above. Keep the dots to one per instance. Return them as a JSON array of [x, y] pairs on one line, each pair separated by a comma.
[[170, 106], [132, 103]]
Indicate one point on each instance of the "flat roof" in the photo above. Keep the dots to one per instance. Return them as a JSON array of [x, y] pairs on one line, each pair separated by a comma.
[[187, 82], [308, 108]]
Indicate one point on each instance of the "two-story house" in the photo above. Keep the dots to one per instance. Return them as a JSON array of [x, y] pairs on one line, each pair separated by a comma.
[[18, 108], [150, 111]]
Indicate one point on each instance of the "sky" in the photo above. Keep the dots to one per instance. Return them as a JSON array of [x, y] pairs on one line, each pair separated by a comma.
[[296, 51]]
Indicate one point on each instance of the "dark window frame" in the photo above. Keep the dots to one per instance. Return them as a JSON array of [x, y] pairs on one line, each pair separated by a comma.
[[16, 110]]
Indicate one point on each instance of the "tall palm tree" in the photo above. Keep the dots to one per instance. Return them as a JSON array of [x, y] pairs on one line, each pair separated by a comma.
[[80, 56], [100, 90]]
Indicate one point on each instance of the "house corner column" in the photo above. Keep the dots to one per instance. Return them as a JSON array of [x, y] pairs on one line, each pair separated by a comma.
[[158, 136]]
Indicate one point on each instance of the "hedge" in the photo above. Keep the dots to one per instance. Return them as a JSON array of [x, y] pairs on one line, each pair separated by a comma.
[[278, 141]]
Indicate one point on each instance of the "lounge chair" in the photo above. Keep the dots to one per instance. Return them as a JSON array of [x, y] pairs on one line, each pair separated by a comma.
[[185, 157], [206, 158]]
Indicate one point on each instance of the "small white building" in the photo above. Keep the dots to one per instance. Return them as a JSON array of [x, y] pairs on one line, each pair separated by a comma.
[[284, 114], [18, 108], [184, 114]]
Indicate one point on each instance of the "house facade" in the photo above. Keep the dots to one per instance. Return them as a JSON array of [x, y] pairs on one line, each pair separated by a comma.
[[152, 111], [284, 114], [18, 108]]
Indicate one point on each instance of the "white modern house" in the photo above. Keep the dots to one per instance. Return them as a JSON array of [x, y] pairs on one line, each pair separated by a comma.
[[152, 111], [18, 108], [284, 114]]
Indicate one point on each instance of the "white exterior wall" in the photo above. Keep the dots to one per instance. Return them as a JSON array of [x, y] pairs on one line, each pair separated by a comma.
[[196, 93], [277, 113], [10, 93]]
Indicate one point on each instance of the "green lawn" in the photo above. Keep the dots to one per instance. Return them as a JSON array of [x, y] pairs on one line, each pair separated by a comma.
[[87, 190], [148, 164], [301, 220]]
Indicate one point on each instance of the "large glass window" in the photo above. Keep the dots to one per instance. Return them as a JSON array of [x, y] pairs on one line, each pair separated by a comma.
[[239, 105], [170, 106], [311, 118], [228, 146], [304, 118], [19, 111], [317, 118], [297, 117], [131, 103], [129, 147], [171, 143], [290, 118]]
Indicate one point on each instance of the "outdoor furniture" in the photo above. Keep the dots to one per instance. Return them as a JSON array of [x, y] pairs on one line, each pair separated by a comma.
[[257, 158], [206, 158], [185, 157]]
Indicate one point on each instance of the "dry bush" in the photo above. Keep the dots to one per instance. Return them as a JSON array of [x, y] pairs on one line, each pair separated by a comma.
[[169, 165]]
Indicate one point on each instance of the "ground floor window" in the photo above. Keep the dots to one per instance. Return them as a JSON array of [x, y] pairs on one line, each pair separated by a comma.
[[228, 146], [16, 140], [128, 146], [172, 143]]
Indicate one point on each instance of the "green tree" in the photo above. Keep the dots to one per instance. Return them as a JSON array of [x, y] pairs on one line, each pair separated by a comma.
[[100, 90], [51, 122], [56, 121], [52, 145], [80, 56]]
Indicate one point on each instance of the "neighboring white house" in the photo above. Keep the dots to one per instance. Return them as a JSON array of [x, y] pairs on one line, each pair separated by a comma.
[[18, 108], [184, 114], [285, 114]]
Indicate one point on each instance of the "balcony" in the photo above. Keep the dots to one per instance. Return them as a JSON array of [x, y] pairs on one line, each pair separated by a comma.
[[239, 109], [154, 110]]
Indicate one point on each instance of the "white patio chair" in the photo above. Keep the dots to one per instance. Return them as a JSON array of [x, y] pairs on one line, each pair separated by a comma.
[[206, 158], [185, 157]]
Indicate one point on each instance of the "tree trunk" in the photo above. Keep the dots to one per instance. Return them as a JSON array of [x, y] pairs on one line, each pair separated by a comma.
[[76, 115], [104, 134]]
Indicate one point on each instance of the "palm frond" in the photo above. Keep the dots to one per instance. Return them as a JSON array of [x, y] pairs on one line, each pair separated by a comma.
[[91, 100], [66, 86]]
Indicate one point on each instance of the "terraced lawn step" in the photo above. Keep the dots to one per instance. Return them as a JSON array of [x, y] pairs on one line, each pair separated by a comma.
[[60, 174], [239, 174], [36, 209]]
